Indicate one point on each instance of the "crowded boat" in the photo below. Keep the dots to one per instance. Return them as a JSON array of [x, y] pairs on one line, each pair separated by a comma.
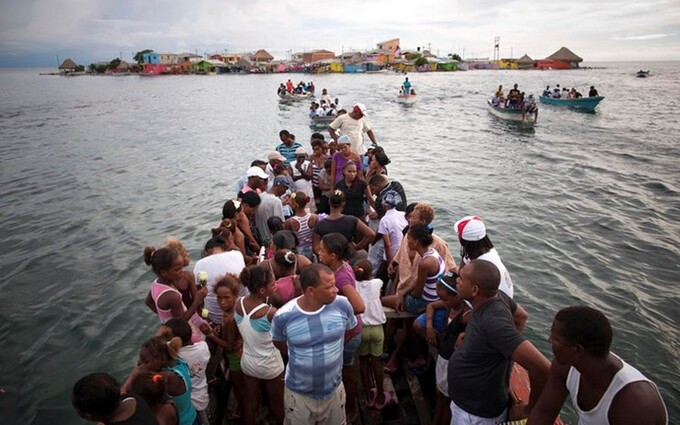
[[322, 277]]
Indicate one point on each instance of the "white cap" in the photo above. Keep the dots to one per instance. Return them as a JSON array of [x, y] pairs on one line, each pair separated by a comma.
[[257, 172], [470, 228]]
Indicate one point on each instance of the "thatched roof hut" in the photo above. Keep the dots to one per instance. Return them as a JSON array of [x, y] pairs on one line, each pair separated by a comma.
[[525, 60], [262, 56], [123, 66], [68, 65], [565, 55]]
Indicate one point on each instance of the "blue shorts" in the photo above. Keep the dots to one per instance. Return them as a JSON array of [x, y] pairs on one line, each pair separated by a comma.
[[415, 305], [438, 320], [350, 350]]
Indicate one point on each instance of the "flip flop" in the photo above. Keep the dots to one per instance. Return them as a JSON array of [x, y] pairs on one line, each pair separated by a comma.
[[390, 367], [370, 401], [388, 399]]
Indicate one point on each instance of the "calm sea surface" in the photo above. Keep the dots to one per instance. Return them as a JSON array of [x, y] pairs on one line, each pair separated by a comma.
[[584, 208]]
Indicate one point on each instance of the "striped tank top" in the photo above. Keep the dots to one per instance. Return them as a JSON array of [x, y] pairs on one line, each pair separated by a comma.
[[430, 288], [304, 234]]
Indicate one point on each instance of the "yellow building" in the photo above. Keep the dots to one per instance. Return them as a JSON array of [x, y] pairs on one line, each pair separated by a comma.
[[507, 64]]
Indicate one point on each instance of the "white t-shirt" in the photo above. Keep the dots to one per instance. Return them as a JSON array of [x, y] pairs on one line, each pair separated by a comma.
[[197, 357], [355, 129], [370, 293], [392, 224], [303, 185], [506, 282], [217, 265]]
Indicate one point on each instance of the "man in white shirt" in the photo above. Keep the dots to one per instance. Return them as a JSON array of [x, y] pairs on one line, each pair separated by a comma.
[[354, 125]]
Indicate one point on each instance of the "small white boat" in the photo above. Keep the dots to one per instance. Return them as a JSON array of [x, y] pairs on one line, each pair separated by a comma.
[[406, 98], [511, 114]]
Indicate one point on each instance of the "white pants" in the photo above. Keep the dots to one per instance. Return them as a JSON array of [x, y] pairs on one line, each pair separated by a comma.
[[461, 417]]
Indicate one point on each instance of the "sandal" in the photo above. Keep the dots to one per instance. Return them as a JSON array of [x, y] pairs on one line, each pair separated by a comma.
[[370, 401], [388, 399], [391, 366]]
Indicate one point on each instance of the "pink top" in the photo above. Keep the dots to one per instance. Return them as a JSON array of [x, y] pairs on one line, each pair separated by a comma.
[[158, 289]]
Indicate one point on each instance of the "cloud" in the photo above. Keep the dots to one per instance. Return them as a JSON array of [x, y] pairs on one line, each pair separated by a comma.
[[99, 29], [643, 37]]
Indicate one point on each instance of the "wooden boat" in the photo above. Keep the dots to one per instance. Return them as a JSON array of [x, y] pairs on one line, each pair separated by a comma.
[[582, 104], [294, 97], [322, 121], [406, 98], [642, 74], [511, 114]]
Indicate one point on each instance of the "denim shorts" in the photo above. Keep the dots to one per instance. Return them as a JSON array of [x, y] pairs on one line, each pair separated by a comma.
[[438, 320], [415, 305]]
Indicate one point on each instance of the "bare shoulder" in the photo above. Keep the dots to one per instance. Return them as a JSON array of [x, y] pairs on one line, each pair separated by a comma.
[[636, 403]]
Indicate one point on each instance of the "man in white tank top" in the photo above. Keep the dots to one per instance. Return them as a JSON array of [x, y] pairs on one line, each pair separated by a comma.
[[603, 388]]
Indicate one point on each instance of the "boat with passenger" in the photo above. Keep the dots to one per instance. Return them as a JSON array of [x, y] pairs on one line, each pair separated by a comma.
[[582, 104], [407, 98], [512, 114], [642, 74]]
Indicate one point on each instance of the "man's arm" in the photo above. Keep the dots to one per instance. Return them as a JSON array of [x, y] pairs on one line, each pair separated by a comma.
[[552, 398], [332, 131], [528, 356], [520, 317], [282, 346], [371, 136]]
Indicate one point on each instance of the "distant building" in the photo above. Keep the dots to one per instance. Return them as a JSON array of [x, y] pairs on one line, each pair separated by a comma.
[[525, 62], [262, 56], [232, 58], [561, 59], [317, 55], [68, 65], [389, 45]]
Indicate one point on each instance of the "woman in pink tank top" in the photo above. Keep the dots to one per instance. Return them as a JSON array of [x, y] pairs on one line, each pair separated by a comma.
[[163, 298]]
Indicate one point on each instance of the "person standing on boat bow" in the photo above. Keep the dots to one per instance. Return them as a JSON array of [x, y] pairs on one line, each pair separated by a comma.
[[407, 86], [354, 125]]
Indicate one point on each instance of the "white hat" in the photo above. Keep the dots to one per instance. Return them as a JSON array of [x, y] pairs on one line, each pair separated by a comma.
[[470, 228], [361, 107], [257, 172], [300, 151], [344, 139], [275, 155]]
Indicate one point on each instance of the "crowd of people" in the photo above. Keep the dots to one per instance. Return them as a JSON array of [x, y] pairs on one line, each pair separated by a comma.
[[326, 107], [515, 99], [291, 88], [299, 282], [565, 93]]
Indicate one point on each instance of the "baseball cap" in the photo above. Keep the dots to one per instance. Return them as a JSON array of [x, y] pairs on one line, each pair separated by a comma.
[[257, 172], [344, 139], [275, 155], [282, 181], [360, 107]]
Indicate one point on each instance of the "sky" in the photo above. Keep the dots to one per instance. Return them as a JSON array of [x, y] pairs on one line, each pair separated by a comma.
[[40, 32]]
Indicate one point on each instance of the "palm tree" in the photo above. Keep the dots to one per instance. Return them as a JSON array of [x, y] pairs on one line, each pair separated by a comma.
[[139, 56]]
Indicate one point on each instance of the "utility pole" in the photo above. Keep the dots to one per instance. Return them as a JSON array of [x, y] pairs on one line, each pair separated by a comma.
[[496, 48]]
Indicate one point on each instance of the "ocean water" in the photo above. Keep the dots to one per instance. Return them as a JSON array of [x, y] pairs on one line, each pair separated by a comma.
[[583, 208]]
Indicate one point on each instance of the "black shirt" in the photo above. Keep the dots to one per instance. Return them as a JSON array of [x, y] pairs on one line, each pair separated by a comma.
[[479, 370], [354, 197]]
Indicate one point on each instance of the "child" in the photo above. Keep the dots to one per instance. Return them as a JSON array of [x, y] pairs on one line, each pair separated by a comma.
[[186, 286], [262, 363], [163, 298], [97, 398], [161, 356], [150, 387], [197, 356], [227, 289], [443, 322], [372, 336]]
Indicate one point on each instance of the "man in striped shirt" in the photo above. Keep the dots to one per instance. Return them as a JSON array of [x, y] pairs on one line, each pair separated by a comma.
[[288, 146], [312, 330]]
